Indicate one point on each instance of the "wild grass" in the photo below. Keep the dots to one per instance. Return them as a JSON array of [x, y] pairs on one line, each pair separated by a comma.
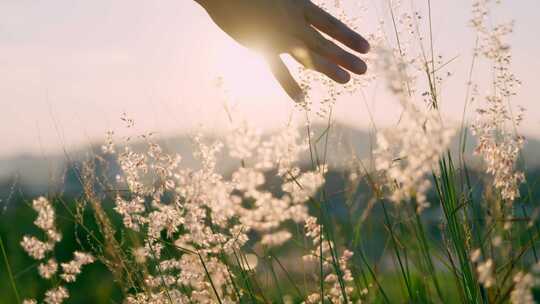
[[415, 223]]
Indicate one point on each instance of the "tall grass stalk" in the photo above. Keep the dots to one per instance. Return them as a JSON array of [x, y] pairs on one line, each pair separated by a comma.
[[457, 228], [9, 272]]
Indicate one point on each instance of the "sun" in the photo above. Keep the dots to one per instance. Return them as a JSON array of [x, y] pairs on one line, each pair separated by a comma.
[[247, 75]]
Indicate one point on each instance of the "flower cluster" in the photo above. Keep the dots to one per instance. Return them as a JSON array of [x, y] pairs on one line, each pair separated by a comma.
[[73, 268], [206, 216], [38, 250], [56, 295], [408, 152], [498, 143], [485, 273], [340, 281], [522, 291], [48, 269]]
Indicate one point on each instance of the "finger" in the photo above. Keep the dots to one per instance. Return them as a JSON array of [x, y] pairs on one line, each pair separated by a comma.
[[328, 49], [314, 61], [332, 26], [285, 79]]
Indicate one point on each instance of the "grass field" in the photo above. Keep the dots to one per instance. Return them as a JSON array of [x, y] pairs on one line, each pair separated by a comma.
[[424, 218]]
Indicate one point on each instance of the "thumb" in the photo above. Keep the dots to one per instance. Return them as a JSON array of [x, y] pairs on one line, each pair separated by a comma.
[[285, 79]]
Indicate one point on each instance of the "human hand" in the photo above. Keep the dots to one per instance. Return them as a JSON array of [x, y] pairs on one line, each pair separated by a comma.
[[276, 27]]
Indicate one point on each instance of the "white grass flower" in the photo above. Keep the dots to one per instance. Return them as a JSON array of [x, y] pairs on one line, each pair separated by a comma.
[[140, 254], [521, 294], [46, 219], [36, 248], [46, 216], [498, 143], [73, 268], [276, 238], [108, 147], [47, 270], [167, 218], [313, 298], [243, 141], [336, 292], [130, 211], [485, 273], [302, 188], [496, 241], [248, 179], [281, 150], [408, 152], [475, 255], [56, 295]]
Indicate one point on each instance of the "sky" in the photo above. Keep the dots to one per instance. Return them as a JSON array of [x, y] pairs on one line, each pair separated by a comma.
[[70, 69]]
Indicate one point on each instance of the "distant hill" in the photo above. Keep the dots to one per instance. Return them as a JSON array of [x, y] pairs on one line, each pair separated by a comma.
[[40, 174]]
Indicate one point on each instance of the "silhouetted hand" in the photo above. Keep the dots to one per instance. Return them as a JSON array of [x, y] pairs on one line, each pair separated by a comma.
[[275, 27]]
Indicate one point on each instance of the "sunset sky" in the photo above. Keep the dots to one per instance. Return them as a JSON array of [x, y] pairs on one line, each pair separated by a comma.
[[69, 69]]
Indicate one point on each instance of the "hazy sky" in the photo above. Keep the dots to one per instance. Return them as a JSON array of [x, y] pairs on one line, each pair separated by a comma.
[[69, 69]]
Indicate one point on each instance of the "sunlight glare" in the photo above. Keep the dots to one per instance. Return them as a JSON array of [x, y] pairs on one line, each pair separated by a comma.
[[247, 76]]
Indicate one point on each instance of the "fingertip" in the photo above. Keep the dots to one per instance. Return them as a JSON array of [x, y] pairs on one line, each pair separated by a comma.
[[358, 43], [293, 89], [362, 68], [335, 28], [359, 67], [342, 76], [295, 92], [363, 46], [285, 79]]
